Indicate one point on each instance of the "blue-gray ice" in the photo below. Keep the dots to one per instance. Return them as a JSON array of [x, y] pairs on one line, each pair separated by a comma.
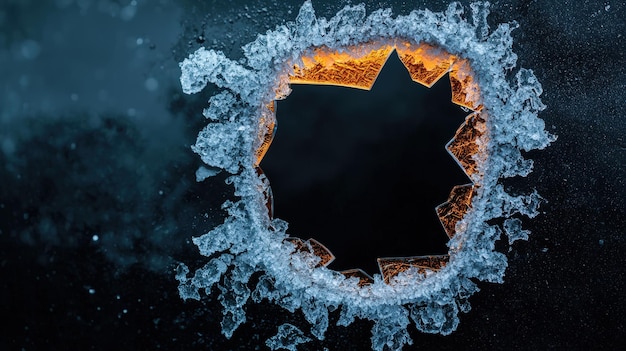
[[250, 241]]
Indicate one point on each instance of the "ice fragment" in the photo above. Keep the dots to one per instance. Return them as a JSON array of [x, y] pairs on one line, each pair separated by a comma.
[[203, 173], [513, 229], [287, 338], [429, 291]]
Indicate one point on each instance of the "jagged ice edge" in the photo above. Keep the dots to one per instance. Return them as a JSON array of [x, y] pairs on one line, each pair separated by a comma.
[[249, 241]]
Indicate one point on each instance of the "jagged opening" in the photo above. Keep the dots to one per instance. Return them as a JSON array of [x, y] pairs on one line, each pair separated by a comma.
[[362, 171]]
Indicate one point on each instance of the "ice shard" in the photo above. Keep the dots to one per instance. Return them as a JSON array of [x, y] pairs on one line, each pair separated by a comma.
[[421, 265], [349, 49], [355, 67], [287, 338]]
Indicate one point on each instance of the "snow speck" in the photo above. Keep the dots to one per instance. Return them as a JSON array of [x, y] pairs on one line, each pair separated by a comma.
[[129, 12], [151, 84], [30, 49]]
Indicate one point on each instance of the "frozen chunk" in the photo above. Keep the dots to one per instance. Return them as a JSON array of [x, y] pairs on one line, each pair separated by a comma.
[[288, 337], [426, 64], [453, 210], [349, 49]]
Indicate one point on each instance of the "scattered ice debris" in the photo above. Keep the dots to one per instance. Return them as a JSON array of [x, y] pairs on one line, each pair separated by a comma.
[[203, 173], [241, 119], [513, 229], [287, 338]]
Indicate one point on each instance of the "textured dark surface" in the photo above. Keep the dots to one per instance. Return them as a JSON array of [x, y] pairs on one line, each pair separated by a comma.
[[91, 146]]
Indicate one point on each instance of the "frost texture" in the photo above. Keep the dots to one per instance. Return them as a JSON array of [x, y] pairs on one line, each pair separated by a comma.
[[287, 338], [513, 229], [203, 173], [250, 241]]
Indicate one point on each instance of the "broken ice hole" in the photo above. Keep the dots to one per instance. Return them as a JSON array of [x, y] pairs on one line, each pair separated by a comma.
[[362, 170]]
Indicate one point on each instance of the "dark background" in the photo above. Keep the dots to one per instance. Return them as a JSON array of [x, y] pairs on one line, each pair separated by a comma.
[[99, 200], [371, 191]]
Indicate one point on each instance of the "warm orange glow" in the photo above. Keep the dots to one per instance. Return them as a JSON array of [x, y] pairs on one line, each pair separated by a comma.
[[463, 146], [266, 137], [426, 64], [358, 67], [392, 266], [453, 210], [315, 247], [321, 251], [349, 68], [465, 90], [364, 278]]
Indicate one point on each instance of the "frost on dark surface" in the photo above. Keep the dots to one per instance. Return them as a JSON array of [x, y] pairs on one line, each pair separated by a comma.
[[287, 338], [251, 241], [513, 229]]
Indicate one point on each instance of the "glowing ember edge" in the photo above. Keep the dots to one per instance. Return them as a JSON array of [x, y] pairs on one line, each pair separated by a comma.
[[357, 68], [249, 241]]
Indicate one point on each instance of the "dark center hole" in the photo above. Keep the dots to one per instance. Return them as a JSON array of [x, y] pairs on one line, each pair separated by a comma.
[[362, 171]]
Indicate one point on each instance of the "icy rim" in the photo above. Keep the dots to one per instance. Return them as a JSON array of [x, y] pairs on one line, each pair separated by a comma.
[[249, 241]]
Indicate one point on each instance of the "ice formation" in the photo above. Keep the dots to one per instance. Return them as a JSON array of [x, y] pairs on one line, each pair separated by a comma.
[[292, 272], [287, 338]]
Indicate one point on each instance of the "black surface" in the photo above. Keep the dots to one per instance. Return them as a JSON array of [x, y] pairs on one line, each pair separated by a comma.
[[362, 171], [563, 289]]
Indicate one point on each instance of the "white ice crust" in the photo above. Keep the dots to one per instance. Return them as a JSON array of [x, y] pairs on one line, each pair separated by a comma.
[[249, 241]]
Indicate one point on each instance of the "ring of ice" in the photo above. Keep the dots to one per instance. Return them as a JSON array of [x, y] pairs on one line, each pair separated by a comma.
[[251, 241]]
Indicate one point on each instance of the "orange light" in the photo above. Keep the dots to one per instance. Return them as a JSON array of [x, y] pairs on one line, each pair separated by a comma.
[[348, 68], [463, 146], [364, 278], [358, 67], [425, 63], [265, 143], [392, 266], [453, 210], [315, 247], [465, 90]]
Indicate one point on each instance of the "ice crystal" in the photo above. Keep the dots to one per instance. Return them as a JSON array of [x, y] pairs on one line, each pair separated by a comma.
[[250, 240], [287, 338]]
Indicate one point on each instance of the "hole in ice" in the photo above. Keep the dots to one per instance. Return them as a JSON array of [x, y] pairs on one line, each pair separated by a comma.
[[362, 171], [358, 67], [349, 51]]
